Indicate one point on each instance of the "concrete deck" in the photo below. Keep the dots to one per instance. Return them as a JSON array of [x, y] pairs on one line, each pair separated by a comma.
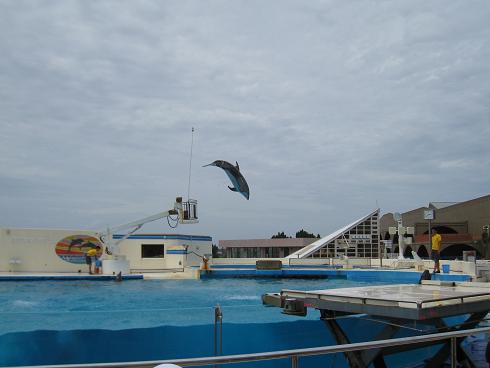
[[230, 271], [355, 274], [181, 274], [33, 276]]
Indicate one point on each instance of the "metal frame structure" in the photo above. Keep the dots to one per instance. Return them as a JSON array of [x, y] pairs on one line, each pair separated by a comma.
[[395, 306], [186, 212], [358, 239]]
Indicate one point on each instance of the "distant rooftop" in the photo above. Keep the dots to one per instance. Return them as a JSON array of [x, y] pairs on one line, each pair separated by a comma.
[[439, 205], [280, 242]]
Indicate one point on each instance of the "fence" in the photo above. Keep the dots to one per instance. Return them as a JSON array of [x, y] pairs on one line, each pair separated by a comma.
[[295, 355]]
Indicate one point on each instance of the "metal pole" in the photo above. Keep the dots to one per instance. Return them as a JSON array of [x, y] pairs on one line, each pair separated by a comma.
[[215, 335], [401, 242], [380, 254], [453, 353], [190, 165], [294, 361], [218, 331], [221, 334], [430, 238]]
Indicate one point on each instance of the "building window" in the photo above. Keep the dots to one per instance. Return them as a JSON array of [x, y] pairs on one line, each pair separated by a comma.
[[152, 251]]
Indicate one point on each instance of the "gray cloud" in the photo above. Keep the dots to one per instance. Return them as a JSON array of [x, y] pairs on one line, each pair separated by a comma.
[[330, 107]]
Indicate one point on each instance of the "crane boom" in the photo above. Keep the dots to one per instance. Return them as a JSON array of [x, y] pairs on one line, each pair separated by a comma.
[[140, 223], [186, 212]]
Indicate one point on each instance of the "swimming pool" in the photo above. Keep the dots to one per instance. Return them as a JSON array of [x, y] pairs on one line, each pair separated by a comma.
[[75, 305], [70, 322]]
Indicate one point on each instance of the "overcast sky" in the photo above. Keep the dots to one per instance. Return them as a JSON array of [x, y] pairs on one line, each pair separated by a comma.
[[331, 108]]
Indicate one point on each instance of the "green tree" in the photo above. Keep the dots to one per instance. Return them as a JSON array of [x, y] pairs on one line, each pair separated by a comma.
[[304, 234], [279, 235], [216, 251]]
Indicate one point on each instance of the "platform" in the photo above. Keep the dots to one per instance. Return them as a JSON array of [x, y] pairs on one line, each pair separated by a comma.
[[415, 302], [32, 276], [329, 272], [396, 306]]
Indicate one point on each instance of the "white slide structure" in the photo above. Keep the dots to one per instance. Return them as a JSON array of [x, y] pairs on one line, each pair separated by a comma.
[[316, 245]]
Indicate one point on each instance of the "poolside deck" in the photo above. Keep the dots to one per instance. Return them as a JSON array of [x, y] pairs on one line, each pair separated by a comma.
[[328, 272], [33, 276], [250, 271], [171, 274]]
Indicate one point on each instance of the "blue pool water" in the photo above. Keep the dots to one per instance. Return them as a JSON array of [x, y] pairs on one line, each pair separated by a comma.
[[56, 322], [70, 305]]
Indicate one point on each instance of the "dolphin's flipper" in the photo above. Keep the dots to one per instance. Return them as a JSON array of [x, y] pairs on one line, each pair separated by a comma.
[[232, 189]]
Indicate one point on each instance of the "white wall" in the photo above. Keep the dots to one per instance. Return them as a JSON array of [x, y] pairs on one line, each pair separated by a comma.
[[131, 247], [33, 250]]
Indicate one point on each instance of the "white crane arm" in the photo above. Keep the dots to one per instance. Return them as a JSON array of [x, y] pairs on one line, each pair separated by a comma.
[[183, 214], [140, 223]]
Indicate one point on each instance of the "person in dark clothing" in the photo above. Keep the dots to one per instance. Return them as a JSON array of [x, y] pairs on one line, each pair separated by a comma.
[[425, 276]]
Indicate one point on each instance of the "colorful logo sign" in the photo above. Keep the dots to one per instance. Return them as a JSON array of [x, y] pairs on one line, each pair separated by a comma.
[[74, 247]]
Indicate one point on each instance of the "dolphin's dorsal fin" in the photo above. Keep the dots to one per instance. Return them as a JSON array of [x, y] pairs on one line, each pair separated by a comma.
[[237, 166], [232, 189]]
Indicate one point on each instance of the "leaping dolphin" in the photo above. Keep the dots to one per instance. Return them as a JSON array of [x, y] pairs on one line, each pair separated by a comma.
[[239, 183]]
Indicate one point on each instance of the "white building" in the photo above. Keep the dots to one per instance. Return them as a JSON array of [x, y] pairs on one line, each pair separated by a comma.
[[51, 250]]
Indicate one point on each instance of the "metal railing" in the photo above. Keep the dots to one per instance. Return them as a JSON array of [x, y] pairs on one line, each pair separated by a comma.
[[293, 355]]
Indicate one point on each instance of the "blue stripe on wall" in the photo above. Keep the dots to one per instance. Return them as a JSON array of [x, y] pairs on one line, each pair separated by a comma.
[[169, 237], [176, 252]]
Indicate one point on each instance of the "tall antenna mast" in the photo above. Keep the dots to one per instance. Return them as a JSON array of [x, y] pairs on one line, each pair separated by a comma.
[[190, 166]]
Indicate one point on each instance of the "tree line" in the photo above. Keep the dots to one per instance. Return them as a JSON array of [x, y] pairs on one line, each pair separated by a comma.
[[299, 234]]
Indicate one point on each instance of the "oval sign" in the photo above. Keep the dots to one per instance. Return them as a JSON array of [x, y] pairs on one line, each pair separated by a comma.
[[74, 247]]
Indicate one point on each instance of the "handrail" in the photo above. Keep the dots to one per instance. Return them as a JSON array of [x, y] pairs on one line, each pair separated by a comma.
[[294, 354]]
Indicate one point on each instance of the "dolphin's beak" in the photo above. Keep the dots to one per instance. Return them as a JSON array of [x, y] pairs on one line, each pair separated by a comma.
[[211, 164]]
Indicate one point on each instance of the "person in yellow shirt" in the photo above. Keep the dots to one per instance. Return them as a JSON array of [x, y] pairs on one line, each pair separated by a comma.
[[89, 257], [436, 247]]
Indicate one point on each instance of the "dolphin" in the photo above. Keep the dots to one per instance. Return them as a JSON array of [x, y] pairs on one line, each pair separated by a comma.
[[239, 183], [77, 242]]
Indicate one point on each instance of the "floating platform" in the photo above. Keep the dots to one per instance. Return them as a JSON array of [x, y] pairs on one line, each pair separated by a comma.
[[415, 302], [396, 306]]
